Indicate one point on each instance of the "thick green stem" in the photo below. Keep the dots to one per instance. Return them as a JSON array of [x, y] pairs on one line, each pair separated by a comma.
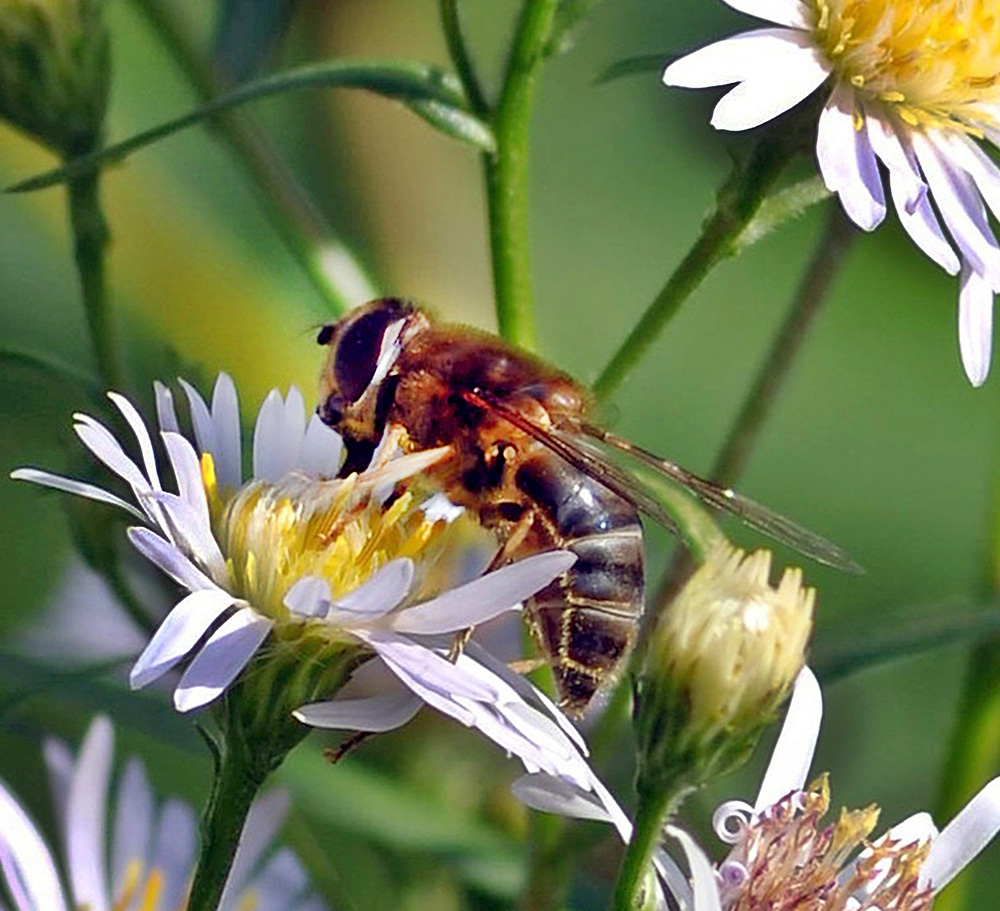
[[738, 202], [286, 204], [507, 175], [633, 875], [90, 241]]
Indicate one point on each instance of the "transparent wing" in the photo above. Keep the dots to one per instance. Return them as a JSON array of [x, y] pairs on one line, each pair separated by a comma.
[[589, 459]]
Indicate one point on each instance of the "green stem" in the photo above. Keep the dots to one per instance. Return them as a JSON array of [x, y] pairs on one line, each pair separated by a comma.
[[287, 206], [90, 240], [507, 175], [738, 201], [451, 22], [633, 875]]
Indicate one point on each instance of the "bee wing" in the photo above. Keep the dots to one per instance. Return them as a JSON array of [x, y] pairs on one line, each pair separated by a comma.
[[587, 458]]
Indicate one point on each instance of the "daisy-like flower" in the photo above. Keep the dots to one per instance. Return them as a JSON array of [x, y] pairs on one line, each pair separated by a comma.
[[913, 84], [149, 860], [784, 856], [322, 569]]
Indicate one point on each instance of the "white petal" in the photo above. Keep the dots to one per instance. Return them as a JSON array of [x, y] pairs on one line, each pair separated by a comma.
[[965, 152], [963, 838], [168, 558], [166, 414], [789, 74], [438, 508], [101, 442], [975, 325], [173, 855], [551, 794], [396, 470], [267, 442], [898, 158], [187, 471], [308, 596], [204, 429], [26, 860], [923, 227], [381, 593], [706, 893], [793, 751], [221, 659], [79, 488], [133, 828], [59, 762], [86, 813], [384, 712], [785, 12], [180, 632], [847, 162], [961, 208], [226, 421], [732, 59], [190, 529], [138, 426], [484, 598], [321, 450], [266, 817]]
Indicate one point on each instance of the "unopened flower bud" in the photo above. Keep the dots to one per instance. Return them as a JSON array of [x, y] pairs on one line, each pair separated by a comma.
[[54, 71], [719, 662]]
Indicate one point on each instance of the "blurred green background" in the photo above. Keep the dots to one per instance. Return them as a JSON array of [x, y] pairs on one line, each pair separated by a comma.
[[877, 441]]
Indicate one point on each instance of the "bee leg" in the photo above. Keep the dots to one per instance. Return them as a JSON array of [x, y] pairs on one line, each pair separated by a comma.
[[333, 755], [458, 644], [528, 665]]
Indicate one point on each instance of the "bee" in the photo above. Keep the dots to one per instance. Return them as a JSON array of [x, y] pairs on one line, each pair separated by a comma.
[[527, 461]]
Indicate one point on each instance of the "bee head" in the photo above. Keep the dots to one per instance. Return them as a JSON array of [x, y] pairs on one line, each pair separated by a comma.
[[364, 347]]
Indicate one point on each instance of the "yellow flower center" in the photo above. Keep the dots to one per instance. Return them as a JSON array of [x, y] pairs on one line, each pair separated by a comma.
[[272, 534], [934, 62]]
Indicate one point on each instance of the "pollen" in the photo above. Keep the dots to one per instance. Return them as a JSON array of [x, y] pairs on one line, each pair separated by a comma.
[[787, 860], [931, 62]]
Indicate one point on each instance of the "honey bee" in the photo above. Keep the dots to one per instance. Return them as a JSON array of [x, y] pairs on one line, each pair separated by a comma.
[[525, 461]]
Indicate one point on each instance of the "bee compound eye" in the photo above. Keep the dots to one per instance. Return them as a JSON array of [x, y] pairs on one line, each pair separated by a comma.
[[358, 351]]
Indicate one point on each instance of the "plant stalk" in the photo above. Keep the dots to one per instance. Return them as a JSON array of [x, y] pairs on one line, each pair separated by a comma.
[[738, 201], [633, 874], [507, 175], [451, 23]]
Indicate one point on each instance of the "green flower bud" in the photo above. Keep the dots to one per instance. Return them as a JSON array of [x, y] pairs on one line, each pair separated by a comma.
[[54, 71], [718, 664]]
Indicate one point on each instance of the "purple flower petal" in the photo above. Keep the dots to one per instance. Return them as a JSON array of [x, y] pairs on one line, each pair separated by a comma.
[[133, 827], [281, 883], [975, 325], [381, 713], [705, 890], [551, 794], [138, 426], [180, 632], [26, 861], [226, 422], [79, 488], [204, 428], [170, 559], [377, 596], [175, 844], [166, 414], [321, 450], [267, 815], [221, 659]]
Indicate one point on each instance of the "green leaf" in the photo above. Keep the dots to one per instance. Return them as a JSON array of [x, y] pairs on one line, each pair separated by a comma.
[[430, 92], [903, 634], [53, 368], [634, 66]]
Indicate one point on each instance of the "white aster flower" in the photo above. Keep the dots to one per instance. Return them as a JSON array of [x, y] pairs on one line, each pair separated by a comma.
[[913, 84], [782, 858], [150, 857], [320, 565]]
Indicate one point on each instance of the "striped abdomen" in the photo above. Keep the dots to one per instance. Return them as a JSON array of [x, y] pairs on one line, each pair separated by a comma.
[[586, 620]]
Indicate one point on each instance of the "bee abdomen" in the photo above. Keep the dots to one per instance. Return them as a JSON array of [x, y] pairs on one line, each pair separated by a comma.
[[586, 620]]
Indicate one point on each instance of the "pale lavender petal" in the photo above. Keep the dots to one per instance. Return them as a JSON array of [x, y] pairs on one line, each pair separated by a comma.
[[226, 422], [705, 891], [180, 632], [551, 794], [267, 815], [175, 844], [783, 77], [190, 530], [187, 471], [279, 885], [269, 444], [784, 12], [87, 810], [59, 764], [138, 426], [100, 441], [312, 902], [26, 861], [963, 838], [166, 414], [79, 488], [962, 209], [793, 751], [308, 596], [379, 594], [909, 186], [169, 559], [484, 598], [732, 59], [384, 712], [321, 450], [847, 162], [975, 325], [221, 659], [965, 152], [204, 429], [923, 227], [133, 827]]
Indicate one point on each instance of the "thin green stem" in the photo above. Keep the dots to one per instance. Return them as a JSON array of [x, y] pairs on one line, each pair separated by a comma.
[[738, 202], [507, 175], [90, 241], [286, 204], [633, 874], [454, 35]]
